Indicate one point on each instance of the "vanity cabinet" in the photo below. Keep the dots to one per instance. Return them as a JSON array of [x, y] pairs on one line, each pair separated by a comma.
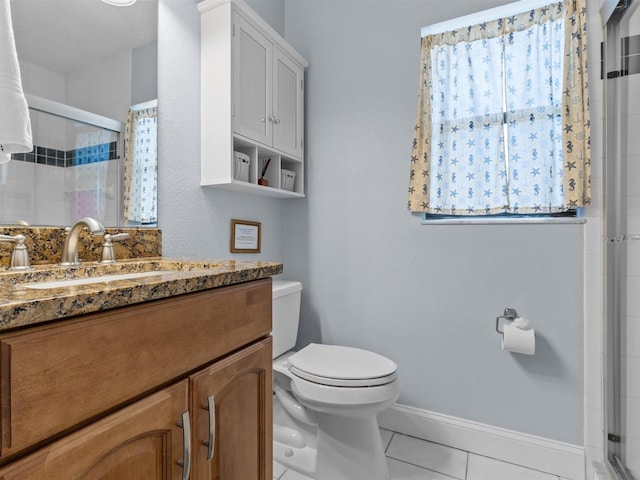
[[121, 394], [252, 95], [142, 441]]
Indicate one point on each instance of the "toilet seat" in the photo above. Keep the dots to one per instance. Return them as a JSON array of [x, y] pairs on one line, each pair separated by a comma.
[[340, 366]]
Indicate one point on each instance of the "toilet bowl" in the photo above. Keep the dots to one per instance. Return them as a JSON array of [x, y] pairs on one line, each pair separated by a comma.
[[326, 402]]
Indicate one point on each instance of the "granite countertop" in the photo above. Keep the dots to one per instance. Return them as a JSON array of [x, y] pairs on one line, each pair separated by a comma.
[[22, 306]]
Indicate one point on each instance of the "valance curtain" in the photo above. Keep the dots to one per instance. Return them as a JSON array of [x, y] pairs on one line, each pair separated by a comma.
[[503, 118], [141, 166]]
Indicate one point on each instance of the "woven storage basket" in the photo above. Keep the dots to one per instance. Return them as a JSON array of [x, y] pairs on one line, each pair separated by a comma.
[[287, 179], [241, 166]]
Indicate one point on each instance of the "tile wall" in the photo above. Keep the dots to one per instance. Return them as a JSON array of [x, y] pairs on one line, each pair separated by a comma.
[[630, 322]]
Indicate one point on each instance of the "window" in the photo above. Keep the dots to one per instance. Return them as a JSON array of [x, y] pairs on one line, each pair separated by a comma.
[[141, 166], [503, 126]]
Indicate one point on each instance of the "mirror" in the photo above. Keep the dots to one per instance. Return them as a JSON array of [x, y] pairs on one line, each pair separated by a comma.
[[84, 64]]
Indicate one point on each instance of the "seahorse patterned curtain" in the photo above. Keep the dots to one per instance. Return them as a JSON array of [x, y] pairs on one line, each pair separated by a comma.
[[141, 166], [502, 121]]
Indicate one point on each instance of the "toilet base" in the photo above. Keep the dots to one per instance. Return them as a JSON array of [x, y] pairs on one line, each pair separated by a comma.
[[348, 448], [301, 460]]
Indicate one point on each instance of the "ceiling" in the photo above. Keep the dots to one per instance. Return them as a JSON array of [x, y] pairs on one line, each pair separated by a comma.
[[62, 35]]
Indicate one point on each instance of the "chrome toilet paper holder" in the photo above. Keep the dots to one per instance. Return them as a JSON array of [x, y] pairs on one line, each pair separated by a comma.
[[509, 314]]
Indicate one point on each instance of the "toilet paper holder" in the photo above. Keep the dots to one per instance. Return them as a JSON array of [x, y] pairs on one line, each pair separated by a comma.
[[509, 314]]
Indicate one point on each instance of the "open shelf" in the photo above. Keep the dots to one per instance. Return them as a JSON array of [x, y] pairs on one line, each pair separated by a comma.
[[259, 157]]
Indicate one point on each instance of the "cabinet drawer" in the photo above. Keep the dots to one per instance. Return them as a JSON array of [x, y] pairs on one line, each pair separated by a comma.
[[54, 378]]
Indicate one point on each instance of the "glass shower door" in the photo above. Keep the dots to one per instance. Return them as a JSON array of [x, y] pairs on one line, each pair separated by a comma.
[[621, 70]]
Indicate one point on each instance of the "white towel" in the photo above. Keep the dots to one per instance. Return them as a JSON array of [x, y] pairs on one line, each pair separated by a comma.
[[15, 126]]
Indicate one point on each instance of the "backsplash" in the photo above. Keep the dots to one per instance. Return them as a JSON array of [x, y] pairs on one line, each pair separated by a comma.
[[69, 158], [45, 244]]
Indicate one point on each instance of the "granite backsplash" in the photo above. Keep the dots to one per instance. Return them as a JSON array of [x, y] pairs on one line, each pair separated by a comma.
[[45, 244]]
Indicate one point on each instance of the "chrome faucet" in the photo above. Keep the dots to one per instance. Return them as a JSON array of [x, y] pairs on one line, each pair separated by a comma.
[[70, 250]]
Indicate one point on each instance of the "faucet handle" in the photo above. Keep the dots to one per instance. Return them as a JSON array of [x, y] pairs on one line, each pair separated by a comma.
[[20, 254], [108, 254], [117, 237]]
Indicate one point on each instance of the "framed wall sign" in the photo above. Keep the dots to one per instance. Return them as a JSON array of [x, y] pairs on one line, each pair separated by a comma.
[[245, 236]]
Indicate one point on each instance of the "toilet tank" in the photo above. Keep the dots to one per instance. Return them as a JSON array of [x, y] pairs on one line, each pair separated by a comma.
[[285, 315]]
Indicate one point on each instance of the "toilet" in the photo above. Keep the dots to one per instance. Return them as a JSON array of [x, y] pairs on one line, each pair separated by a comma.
[[326, 400]]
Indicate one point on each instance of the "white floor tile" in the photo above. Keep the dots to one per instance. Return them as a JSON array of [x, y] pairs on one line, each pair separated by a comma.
[[483, 468], [278, 470], [405, 471], [433, 456], [386, 438], [291, 475]]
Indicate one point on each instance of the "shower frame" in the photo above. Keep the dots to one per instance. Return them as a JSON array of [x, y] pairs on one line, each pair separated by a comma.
[[616, 236]]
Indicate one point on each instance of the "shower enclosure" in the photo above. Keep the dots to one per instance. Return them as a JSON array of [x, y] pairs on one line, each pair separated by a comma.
[[621, 73], [73, 171]]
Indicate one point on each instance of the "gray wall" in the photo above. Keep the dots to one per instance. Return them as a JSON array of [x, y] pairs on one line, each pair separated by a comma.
[[195, 221], [425, 296], [144, 73], [272, 11]]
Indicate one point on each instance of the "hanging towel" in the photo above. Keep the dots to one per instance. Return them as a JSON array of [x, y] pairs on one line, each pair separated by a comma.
[[15, 126]]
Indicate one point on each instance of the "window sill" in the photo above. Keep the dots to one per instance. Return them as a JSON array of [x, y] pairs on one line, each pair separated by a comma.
[[503, 221]]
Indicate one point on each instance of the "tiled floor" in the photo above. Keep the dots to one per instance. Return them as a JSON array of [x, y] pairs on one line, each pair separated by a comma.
[[414, 459]]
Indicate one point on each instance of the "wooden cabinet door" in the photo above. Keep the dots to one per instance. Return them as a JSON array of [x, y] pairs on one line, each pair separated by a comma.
[[252, 74], [240, 390], [287, 104], [139, 442]]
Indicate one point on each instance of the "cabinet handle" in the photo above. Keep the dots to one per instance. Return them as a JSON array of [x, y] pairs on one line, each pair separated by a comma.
[[211, 443], [185, 424], [272, 119], [276, 120]]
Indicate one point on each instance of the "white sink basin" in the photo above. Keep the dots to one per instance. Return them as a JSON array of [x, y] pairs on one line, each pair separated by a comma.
[[88, 280]]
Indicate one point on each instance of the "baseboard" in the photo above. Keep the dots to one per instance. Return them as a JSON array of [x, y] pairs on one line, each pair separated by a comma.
[[557, 458]]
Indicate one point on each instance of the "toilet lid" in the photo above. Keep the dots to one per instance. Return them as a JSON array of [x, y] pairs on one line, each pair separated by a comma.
[[342, 366]]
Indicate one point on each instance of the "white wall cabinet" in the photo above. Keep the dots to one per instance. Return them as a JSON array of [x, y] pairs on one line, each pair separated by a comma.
[[252, 93]]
